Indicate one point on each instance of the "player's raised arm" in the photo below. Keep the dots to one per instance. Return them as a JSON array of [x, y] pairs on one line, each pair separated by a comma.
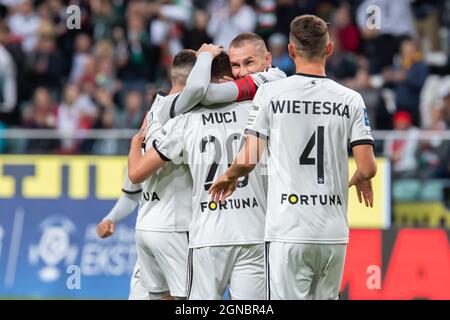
[[197, 81], [248, 157], [243, 164], [166, 147], [141, 167]]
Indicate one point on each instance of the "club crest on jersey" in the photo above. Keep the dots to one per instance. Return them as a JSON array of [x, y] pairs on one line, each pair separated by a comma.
[[229, 204], [312, 199]]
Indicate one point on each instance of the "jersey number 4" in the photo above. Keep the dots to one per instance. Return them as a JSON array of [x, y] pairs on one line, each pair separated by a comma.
[[218, 156], [318, 161]]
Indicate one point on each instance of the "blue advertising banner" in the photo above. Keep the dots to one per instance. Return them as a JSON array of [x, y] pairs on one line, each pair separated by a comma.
[[49, 208]]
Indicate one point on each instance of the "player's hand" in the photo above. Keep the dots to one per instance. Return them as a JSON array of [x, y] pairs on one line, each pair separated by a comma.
[[222, 188], [105, 228], [363, 190], [139, 137], [214, 50]]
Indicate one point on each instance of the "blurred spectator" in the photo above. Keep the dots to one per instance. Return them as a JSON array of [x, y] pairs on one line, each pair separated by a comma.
[[280, 56], [407, 76], [88, 75], [194, 37], [139, 62], [73, 113], [378, 115], [104, 103], [383, 28], [402, 152], [8, 84], [287, 10], [104, 100], [345, 31], [341, 65], [133, 114], [266, 17], [106, 146], [150, 94], [25, 23], [229, 21], [41, 114], [81, 54], [44, 65], [167, 18], [13, 46], [445, 93], [103, 18], [105, 77], [434, 155], [426, 14]]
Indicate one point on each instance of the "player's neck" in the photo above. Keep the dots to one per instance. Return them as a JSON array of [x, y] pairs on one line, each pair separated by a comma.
[[176, 89], [314, 68]]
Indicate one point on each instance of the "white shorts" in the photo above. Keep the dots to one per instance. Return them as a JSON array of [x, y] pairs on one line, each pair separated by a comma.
[[301, 271], [137, 292], [212, 269], [163, 256]]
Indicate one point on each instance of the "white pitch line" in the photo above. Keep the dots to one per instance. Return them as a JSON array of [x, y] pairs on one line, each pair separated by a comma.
[[14, 247]]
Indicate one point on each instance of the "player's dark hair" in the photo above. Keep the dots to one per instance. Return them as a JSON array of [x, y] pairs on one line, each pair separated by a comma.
[[309, 36], [182, 64], [184, 58], [221, 66]]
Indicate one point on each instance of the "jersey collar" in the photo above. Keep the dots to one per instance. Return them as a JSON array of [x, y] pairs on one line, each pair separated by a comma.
[[310, 75]]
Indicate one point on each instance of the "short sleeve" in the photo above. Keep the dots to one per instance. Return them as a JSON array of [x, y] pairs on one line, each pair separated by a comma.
[[258, 118], [268, 75], [169, 142], [360, 132], [153, 128]]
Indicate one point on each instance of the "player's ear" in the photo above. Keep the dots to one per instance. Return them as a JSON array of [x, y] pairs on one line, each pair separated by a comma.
[[291, 51], [329, 49], [268, 59]]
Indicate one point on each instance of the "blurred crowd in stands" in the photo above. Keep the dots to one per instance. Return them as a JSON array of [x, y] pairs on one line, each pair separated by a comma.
[[105, 74]]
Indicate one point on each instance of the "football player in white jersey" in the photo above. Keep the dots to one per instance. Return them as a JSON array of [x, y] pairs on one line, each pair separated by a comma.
[[307, 122], [226, 240], [162, 221], [165, 210]]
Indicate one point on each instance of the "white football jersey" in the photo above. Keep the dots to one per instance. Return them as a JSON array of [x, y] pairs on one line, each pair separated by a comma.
[[208, 139], [166, 202], [268, 75], [309, 122]]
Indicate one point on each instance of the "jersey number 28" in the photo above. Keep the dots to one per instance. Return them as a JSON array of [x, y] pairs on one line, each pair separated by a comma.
[[218, 156]]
